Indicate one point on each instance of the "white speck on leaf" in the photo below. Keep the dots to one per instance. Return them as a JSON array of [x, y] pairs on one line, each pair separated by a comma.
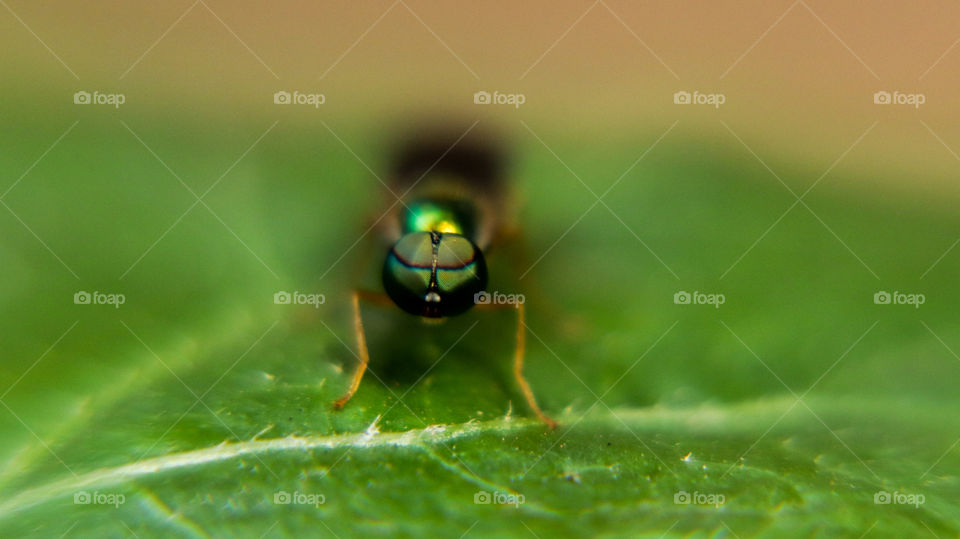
[[373, 429], [435, 429], [265, 430]]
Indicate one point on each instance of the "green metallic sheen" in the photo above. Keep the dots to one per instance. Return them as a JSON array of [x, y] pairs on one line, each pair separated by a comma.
[[439, 215]]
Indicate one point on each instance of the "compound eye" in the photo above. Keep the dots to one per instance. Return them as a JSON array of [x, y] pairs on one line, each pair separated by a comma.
[[461, 272], [434, 274], [409, 265]]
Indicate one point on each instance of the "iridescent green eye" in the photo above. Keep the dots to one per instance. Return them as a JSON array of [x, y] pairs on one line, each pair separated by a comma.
[[434, 274]]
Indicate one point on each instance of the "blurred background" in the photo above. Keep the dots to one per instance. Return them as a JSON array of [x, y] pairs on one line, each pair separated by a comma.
[[793, 189], [795, 74]]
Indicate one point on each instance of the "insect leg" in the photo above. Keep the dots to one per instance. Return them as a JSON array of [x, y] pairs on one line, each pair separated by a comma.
[[518, 355], [362, 353]]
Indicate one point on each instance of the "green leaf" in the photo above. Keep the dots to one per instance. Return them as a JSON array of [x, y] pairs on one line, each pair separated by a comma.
[[201, 405]]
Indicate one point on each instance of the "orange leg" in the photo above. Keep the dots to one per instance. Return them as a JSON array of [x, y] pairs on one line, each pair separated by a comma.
[[362, 353], [518, 355]]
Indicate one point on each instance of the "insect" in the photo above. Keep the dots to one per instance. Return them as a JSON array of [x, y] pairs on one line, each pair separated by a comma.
[[451, 195]]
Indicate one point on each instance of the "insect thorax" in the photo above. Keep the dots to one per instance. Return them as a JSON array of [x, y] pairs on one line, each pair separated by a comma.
[[448, 216]]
